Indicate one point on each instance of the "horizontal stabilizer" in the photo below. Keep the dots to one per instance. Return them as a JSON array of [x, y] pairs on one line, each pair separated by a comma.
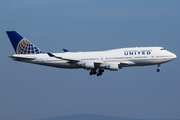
[[21, 58]]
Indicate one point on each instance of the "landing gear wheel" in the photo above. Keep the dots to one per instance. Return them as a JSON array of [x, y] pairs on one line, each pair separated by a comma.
[[100, 71], [158, 70], [99, 74], [90, 73], [93, 72]]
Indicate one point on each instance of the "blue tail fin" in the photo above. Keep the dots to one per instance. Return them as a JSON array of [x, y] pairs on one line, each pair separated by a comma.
[[22, 45]]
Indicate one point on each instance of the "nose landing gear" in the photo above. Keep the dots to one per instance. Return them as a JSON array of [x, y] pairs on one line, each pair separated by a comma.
[[158, 70]]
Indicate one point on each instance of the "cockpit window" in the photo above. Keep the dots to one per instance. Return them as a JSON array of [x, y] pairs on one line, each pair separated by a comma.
[[162, 49]]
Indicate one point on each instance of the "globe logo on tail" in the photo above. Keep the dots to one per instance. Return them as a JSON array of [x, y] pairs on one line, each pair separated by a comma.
[[25, 47]]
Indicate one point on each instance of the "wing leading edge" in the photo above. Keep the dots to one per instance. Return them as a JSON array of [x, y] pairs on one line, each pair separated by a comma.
[[70, 60]]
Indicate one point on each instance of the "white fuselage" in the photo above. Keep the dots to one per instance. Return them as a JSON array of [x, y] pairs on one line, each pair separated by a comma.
[[124, 57]]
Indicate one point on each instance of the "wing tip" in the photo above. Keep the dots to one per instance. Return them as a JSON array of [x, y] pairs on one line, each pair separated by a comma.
[[51, 55], [65, 50]]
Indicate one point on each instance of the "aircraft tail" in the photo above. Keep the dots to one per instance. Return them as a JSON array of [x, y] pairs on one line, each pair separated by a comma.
[[22, 45]]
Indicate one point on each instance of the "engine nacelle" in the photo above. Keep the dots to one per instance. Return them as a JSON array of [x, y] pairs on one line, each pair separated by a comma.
[[113, 67], [88, 65]]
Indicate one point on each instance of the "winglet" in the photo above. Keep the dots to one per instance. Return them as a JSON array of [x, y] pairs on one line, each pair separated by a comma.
[[51, 55], [65, 50]]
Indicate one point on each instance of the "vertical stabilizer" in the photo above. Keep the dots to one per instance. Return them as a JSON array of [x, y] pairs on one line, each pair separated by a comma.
[[22, 45]]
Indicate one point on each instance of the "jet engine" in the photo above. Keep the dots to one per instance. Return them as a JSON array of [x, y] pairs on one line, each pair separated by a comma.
[[113, 67], [88, 65]]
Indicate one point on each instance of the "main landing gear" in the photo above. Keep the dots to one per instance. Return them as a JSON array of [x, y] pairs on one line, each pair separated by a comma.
[[158, 70], [93, 72], [100, 71]]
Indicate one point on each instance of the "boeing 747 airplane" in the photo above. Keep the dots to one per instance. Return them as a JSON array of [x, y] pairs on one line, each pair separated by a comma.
[[96, 61]]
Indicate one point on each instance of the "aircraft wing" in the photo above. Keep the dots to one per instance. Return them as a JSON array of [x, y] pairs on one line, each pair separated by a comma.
[[96, 61], [21, 58], [73, 60], [70, 60]]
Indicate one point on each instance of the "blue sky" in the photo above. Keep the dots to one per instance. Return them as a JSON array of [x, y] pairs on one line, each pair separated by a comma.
[[34, 92]]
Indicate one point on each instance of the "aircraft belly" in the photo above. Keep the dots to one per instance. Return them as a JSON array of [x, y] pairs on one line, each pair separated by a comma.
[[148, 62]]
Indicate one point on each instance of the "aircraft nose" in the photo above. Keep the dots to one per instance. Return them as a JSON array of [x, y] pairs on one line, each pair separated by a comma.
[[174, 56]]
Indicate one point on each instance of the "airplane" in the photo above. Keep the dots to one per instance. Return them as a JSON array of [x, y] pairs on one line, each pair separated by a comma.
[[96, 61]]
